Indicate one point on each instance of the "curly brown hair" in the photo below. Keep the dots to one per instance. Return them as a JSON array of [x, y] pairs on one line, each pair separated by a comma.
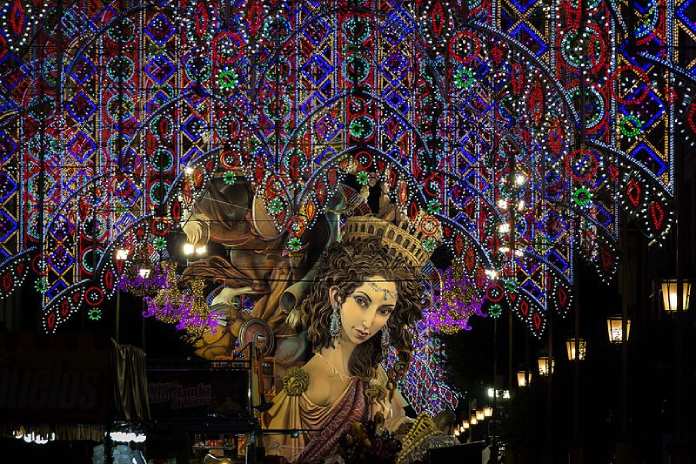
[[346, 266]]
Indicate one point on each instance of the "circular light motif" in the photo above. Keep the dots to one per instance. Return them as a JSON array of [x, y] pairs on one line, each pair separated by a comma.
[[41, 107], [227, 79], [593, 106], [356, 29], [630, 126], [120, 107], [122, 30], [362, 127], [120, 68], [162, 159], [355, 69], [197, 68], [582, 197]]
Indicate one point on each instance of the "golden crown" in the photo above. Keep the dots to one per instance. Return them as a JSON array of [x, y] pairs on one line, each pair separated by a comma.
[[397, 236]]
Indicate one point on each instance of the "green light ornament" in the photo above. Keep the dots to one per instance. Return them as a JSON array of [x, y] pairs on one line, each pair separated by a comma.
[[41, 285], [227, 79], [433, 207], [363, 178], [160, 243], [94, 314], [294, 244], [464, 78], [495, 311], [630, 126], [275, 206], [582, 197], [229, 178], [429, 244]]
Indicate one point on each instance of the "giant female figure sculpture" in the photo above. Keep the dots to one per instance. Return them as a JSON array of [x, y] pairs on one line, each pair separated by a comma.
[[367, 296]]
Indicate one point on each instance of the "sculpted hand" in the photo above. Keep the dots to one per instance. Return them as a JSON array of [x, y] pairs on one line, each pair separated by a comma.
[[228, 294], [194, 232]]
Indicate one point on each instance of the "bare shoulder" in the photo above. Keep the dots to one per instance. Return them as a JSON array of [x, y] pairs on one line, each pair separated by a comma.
[[319, 390]]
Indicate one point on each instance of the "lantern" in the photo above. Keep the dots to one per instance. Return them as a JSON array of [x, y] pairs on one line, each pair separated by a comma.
[[524, 378], [670, 292], [582, 349], [488, 411], [546, 365], [473, 420], [479, 415], [615, 329]]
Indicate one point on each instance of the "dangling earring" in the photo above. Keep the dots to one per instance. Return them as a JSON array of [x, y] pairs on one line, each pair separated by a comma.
[[385, 342], [335, 323]]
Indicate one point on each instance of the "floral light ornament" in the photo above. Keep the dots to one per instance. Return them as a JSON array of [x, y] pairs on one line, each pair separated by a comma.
[[229, 178], [464, 78], [456, 302], [227, 79], [189, 310]]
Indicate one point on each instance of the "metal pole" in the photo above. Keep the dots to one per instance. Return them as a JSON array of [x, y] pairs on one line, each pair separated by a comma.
[[549, 398], [118, 317], [576, 389], [494, 444]]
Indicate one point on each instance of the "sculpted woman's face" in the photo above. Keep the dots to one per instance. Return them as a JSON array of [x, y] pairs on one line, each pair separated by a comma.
[[365, 311]]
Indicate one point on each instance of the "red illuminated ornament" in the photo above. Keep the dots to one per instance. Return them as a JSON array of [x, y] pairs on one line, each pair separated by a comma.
[[634, 192], [657, 215]]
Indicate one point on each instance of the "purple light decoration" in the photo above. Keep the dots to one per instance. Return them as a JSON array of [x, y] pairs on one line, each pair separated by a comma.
[[424, 385], [456, 302]]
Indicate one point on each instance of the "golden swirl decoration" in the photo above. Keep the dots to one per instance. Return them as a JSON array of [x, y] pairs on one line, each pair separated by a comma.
[[375, 392], [296, 381]]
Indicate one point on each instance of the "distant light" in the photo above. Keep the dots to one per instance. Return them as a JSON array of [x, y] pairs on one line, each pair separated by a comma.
[[506, 394], [491, 392], [570, 349], [201, 250], [524, 378], [520, 205], [615, 329], [491, 274], [519, 253], [127, 437], [188, 170], [520, 179], [144, 272], [502, 204], [670, 294], [504, 228], [122, 254], [188, 249], [504, 249], [546, 365]]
